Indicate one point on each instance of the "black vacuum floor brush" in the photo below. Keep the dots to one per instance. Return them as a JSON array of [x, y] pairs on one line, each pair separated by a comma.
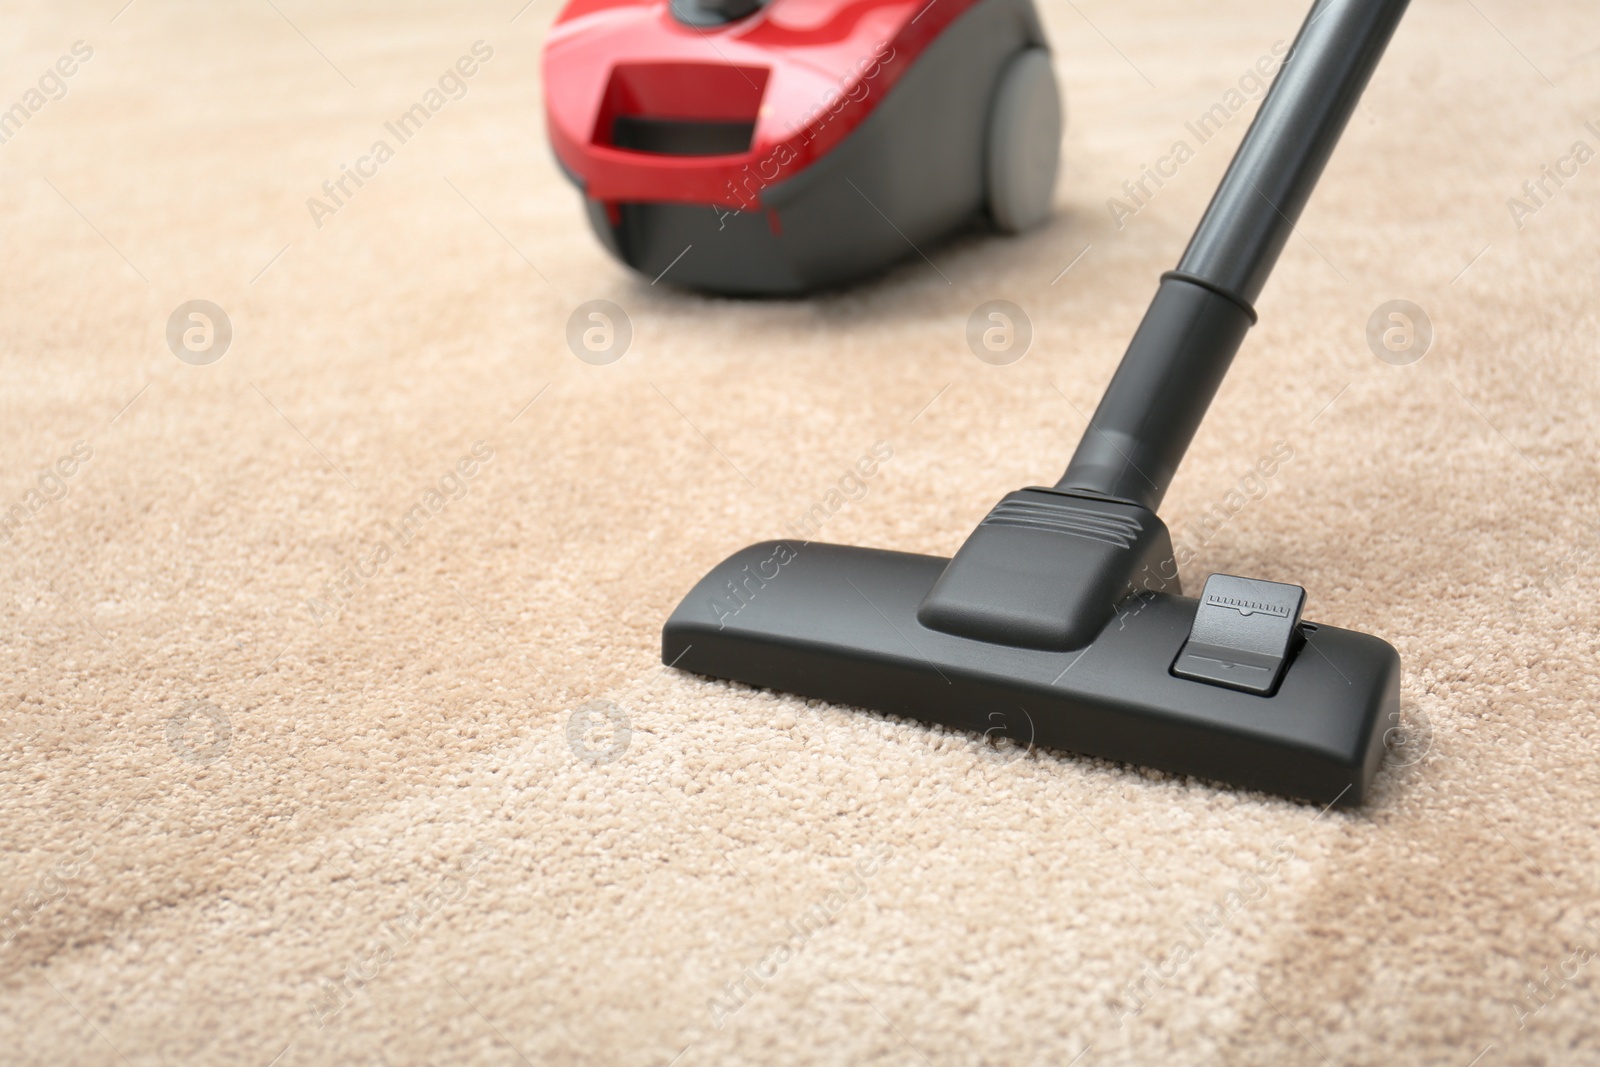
[[1060, 621]]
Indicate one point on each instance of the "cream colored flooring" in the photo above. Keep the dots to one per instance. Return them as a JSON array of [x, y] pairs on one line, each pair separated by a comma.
[[184, 894]]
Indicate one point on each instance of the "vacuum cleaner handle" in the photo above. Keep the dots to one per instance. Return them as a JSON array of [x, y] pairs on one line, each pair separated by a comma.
[[1201, 311]]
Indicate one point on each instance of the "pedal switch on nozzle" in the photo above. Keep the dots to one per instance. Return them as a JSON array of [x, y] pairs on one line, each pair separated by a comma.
[[1244, 634]]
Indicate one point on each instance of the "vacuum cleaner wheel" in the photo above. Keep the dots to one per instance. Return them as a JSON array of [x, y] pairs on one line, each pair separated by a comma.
[[1024, 147]]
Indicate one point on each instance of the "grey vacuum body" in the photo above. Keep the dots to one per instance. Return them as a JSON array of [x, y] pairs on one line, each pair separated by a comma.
[[928, 158]]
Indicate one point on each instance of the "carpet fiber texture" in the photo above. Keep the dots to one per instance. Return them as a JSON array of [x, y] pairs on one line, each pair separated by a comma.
[[332, 727]]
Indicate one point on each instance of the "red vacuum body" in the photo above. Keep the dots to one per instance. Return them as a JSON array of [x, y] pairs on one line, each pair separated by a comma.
[[744, 147]]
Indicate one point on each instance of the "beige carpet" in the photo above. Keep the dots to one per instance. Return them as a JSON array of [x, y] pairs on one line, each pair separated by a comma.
[[457, 780]]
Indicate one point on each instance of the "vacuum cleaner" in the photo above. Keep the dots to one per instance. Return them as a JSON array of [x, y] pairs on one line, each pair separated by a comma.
[[772, 147], [1061, 621]]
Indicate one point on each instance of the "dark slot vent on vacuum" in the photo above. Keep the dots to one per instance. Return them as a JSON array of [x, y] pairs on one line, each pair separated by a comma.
[[681, 137], [1065, 518]]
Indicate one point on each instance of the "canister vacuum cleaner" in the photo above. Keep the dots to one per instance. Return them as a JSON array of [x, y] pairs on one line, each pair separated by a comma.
[[1061, 620], [779, 147]]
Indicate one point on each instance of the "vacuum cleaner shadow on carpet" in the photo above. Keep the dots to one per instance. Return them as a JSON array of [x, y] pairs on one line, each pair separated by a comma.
[[770, 147], [1060, 621]]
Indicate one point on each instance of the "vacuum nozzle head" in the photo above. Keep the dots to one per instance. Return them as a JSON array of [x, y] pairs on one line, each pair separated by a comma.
[[843, 624]]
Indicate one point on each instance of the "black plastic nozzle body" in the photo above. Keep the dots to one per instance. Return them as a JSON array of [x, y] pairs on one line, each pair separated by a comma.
[[1201, 311]]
